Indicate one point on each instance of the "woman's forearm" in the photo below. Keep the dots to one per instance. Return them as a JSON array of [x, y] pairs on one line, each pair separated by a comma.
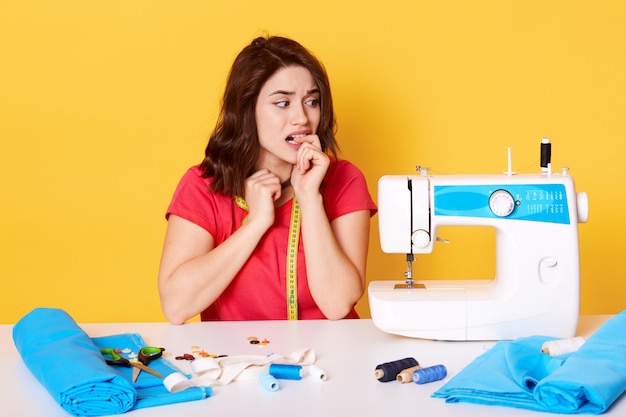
[[336, 256], [193, 274]]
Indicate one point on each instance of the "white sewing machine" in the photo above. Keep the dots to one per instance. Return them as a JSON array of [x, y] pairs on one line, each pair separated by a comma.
[[536, 287]]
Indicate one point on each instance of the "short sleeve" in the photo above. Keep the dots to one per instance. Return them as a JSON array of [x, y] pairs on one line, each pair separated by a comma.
[[345, 190]]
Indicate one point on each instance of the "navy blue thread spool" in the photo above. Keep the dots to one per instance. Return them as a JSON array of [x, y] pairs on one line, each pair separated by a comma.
[[269, 382], [388, 371], [282, 371], [429, 374]]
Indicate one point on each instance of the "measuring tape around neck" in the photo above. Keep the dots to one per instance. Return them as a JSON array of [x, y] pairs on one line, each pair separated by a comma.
[[292, 256], [292, 260]]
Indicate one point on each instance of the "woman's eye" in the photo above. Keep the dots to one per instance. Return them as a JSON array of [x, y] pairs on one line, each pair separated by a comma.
[[313, 102], [283, 103]]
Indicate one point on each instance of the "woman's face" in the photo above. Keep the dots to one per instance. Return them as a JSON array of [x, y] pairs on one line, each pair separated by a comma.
[[287, 107]]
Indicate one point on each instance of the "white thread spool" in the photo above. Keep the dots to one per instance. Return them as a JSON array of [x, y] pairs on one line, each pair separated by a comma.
[[563, 346], [317, 373]]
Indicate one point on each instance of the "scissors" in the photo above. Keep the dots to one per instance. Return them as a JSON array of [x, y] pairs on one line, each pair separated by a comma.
[[146, 355]]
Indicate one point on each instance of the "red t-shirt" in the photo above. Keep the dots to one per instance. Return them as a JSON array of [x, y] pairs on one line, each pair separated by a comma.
[[258, 292]]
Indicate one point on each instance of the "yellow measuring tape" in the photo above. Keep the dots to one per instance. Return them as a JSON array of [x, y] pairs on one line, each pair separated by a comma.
[[292, 256]]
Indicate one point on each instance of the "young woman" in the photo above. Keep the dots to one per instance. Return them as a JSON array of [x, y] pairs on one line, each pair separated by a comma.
[[271, 224]]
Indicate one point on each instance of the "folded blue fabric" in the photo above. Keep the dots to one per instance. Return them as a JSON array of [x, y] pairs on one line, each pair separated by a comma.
[[150, 389], [517, 374], [70, 366]]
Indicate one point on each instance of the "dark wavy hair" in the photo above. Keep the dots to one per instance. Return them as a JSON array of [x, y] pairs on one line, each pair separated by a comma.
[[233, 147]]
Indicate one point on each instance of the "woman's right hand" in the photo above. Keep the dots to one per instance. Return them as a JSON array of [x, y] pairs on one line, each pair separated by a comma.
[[194, 270], [262, 189]]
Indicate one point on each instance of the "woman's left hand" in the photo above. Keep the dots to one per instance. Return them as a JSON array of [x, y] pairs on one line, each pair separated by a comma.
[[311, 166]]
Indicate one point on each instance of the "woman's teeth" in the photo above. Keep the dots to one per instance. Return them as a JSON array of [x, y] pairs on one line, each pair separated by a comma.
[[292, 138]]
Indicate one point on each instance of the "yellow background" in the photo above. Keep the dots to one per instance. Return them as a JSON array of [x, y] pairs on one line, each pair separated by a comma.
[[105, 103]]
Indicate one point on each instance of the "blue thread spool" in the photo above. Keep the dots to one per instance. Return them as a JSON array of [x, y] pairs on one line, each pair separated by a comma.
[[282, 371], [269, 382], [388, 371], [430, 374]]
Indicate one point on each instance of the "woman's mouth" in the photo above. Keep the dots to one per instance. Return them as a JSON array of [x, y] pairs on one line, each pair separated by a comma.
[[291, 139]]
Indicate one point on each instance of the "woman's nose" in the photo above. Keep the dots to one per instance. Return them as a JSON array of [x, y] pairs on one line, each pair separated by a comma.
[[298, 115]]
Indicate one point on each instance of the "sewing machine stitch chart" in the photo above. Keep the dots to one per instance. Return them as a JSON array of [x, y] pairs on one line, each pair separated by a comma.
[[536, 289]]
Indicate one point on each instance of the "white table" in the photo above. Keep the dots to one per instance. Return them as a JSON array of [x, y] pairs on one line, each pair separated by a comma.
[[347, 350]]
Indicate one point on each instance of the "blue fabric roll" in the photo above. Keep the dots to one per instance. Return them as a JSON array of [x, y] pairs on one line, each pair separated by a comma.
[[70, 366], [516, 374], [67, 363]]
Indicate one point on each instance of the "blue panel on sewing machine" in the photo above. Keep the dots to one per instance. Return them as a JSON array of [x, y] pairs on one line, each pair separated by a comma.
[[533, 202]]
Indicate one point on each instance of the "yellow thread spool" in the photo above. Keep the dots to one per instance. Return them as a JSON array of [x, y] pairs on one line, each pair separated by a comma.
[[406, 375]]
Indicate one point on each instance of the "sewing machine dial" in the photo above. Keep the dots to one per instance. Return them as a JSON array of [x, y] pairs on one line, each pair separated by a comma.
[[501, 203], [420, 238]]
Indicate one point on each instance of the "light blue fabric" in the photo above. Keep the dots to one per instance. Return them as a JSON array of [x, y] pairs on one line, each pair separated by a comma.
[[69, 365], [516, 374]]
